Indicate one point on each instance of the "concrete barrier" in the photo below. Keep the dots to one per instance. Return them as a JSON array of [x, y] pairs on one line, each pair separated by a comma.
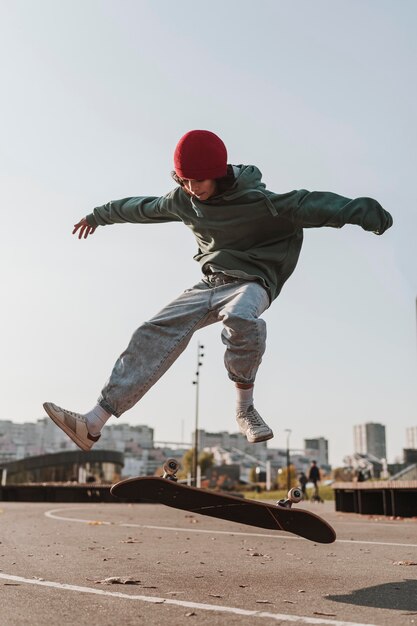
[[50, 492], [390, 498]]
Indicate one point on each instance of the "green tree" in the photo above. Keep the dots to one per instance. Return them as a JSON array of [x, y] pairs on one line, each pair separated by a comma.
[[205, 461], [343, 474], [281, 480], [252, 474], [187, 463]]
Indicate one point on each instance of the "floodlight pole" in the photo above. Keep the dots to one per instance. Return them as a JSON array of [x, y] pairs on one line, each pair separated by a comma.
[[196, 382], [288, 431]]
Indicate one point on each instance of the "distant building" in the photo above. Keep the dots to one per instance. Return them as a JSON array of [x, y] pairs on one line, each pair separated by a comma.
[[19, 441], [370, 466], [126, 438], [230, 441], [411, 438], [369, 439], [69, 466], [410, 456], [318, 450]]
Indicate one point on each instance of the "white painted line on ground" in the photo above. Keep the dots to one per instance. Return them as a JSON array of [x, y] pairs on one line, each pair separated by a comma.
[[53, 515], [247, 534], [279, 617], [378, 543], [286, 536], [407, 521]]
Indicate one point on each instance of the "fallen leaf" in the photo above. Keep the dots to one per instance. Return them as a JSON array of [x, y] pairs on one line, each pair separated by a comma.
[[325, 614], [263, 602]]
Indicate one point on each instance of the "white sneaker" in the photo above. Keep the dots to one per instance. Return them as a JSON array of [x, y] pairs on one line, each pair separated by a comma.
[[73, 424], [252, 425]]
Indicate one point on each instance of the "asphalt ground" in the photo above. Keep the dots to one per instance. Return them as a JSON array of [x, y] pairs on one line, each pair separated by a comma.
[[102, 564]]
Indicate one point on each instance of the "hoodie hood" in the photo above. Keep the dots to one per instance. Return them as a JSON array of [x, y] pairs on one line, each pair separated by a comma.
[[248, 185], [247, 177]]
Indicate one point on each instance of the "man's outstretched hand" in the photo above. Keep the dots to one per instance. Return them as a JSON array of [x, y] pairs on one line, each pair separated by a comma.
[[84, 229]]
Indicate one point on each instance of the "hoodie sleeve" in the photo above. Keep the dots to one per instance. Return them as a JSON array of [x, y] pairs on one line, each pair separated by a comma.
[[321, 208], [141, 210]]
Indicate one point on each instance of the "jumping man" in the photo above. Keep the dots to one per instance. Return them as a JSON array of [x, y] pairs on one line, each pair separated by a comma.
[[248, 243]]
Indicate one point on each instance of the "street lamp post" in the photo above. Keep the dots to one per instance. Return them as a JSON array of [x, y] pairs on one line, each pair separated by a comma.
[[196, 382], [288, 431]]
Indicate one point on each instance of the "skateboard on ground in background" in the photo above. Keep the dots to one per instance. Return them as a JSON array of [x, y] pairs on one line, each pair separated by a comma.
[[281, 516]]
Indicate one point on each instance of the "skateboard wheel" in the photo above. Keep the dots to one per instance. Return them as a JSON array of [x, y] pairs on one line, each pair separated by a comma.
[[295, 495], [171, 466]]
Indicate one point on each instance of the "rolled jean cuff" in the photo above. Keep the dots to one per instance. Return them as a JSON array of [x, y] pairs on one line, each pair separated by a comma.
[[106, 406], [236, 379]]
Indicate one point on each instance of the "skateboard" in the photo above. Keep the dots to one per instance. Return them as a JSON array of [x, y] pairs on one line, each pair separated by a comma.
[[281, 516]]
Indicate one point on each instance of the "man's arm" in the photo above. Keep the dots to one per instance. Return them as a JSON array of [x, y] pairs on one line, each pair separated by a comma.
[[140, 210], [322, 208]]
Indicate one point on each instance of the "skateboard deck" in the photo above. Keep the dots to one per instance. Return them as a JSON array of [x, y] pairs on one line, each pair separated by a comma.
[[231, 508]]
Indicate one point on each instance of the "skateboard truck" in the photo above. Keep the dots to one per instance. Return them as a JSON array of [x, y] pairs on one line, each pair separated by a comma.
[[171, 467], [294, 496]]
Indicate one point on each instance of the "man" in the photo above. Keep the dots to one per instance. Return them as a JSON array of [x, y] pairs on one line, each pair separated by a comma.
[[314, 477], [249, 240]]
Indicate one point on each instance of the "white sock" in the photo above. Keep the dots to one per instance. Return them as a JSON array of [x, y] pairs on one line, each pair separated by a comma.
[[96, 418], [244, 398]]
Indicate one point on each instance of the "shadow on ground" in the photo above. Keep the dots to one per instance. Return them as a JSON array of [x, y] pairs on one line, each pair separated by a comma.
[[399, 595]]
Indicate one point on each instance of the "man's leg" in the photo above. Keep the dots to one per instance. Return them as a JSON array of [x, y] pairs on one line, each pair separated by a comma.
[[244, 336], [154, 347], [244, 333]]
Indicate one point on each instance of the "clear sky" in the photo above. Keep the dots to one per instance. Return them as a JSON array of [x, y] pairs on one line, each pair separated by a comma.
[[319, 95]]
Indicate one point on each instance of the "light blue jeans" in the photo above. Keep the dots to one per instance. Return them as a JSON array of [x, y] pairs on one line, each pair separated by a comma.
[[156, 344]]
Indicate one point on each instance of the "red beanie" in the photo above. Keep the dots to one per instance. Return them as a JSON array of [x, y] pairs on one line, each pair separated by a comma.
[[200, 155]]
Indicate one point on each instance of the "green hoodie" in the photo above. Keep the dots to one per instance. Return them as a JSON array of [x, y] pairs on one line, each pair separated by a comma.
[[248, 231]]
